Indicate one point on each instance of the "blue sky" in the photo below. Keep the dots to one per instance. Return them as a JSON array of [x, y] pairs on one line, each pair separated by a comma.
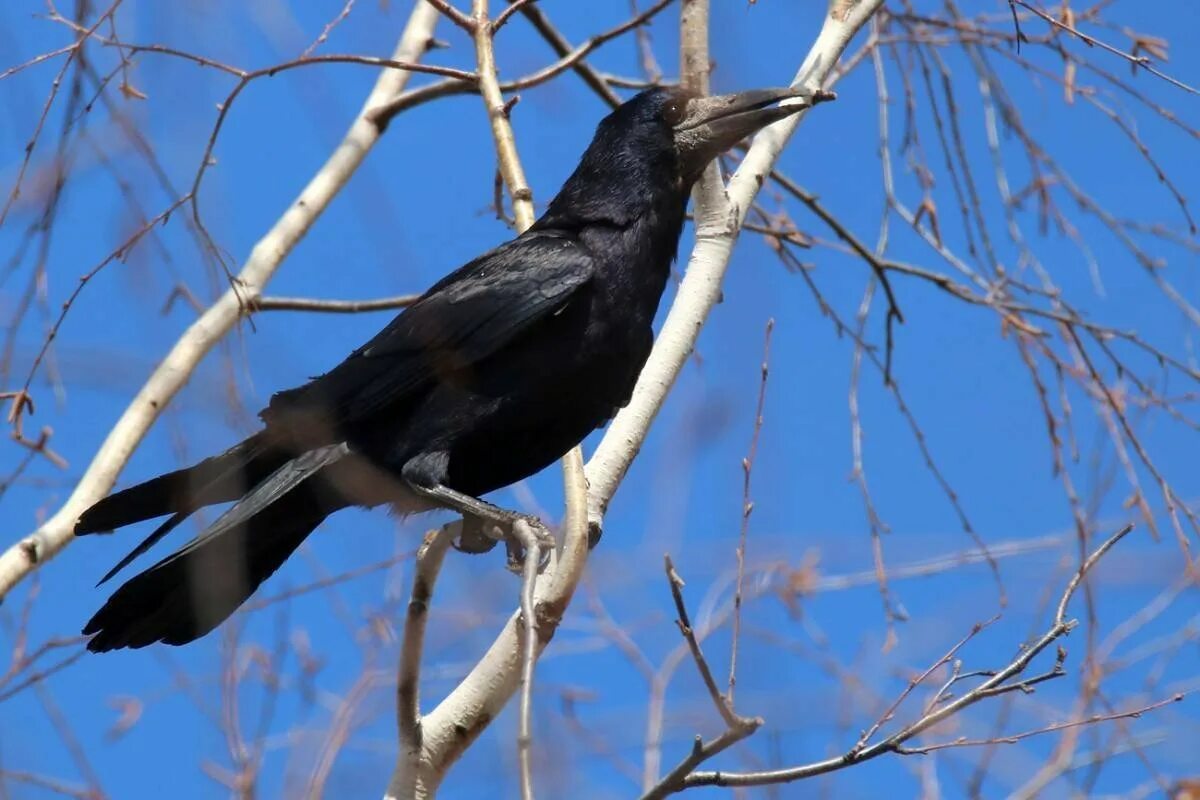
[[419, 208]]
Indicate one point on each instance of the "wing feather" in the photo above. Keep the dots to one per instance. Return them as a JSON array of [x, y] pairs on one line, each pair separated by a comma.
[[462, 320]]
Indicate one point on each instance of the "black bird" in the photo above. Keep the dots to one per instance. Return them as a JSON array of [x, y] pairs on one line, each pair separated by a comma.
[[499, 369]]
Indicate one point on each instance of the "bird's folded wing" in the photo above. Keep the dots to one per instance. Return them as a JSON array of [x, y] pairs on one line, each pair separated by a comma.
[[460, 321]]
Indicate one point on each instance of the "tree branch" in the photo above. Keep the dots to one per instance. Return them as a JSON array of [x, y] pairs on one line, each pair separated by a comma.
[[330, 306], [509, 663], [454, 15], [175, 370], [463, 715], [502, 133], [701, 285], [408, 706], [569, 58], [998, 682]]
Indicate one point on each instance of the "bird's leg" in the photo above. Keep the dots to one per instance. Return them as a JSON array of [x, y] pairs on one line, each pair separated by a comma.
[[425, 474], [483, 521]]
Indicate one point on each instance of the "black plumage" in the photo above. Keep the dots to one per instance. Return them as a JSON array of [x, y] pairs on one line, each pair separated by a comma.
[[496, 371]]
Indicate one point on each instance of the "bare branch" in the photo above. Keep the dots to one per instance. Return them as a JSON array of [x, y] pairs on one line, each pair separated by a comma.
[[408, 706], [724, 707], [462, 716], [1013, 738], [330, 306], [997, 681], [1091, 41], [498, 110], [329, 26], [747, 509], [513, 7], [454, 15], [701, 285], [529, 653], [166, 381], [569, 58], [737, 727]]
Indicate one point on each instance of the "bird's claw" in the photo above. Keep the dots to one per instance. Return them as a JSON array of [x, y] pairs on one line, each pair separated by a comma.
[[480, 536], [523, 533]]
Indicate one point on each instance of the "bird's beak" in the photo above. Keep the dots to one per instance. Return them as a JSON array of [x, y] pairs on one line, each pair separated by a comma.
[[714, 124]]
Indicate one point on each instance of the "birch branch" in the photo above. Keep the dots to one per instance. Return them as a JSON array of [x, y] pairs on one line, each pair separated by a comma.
[[455, 724], [708, 199], [408, 699], [457, 721], [329, 306], [716, 231], [173, 373], [446, 733], [502, 133]]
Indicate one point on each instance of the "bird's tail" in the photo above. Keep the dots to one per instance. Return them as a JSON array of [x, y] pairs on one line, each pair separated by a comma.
[[214, 480], [189, 593]]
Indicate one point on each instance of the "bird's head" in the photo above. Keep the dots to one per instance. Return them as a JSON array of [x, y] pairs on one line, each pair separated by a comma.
[[696, 129], [661, 140], [704, 127]]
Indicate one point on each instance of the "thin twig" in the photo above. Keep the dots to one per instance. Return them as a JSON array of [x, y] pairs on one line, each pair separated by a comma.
[[890, 712], [529, 650], [503, 17], [737, 727], [329, 26], [1091, 41], [454, 15], [999, 679], [1013, 738], [685, 627], [747, 508], [330, 306]]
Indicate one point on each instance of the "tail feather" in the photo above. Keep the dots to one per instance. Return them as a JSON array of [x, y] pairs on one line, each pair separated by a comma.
[[187, 594], [190, 592], [162, 530], [214, 480]]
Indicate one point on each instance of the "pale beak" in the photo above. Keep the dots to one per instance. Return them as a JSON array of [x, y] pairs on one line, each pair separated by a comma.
[[714, 124]]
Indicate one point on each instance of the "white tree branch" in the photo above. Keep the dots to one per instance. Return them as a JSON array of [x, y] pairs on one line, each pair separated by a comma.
[[513, 174], [458, 720], [455, 724], [508, 162], [429, 560], [717, 229], [173, 373]]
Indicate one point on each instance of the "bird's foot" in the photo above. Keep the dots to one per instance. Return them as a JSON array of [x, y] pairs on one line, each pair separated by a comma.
[[477, 535], [518, 534], [525, 533]]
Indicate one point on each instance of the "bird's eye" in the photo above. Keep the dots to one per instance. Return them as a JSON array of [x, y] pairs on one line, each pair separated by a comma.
[[674, 112]]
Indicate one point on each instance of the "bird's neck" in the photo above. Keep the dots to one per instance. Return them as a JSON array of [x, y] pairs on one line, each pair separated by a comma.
[[627, 217], [617, 185]]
